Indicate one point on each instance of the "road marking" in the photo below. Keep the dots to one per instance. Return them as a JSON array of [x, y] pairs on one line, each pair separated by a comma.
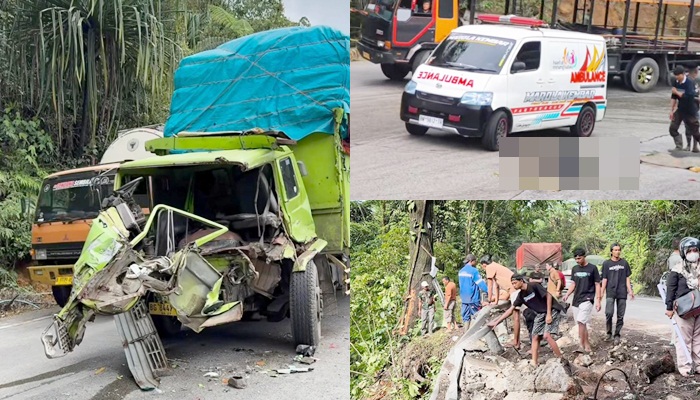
[[25, 322]]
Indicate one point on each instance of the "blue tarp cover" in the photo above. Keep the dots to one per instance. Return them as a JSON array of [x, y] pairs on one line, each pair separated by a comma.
[[287, 79]]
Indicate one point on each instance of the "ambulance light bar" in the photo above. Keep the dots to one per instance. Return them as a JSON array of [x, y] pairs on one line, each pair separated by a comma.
[[511, 20]]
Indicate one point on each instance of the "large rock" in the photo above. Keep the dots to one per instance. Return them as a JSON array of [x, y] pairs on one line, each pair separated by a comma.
[[521, 376], [565, 341], [583, 360], [555, 376], [534, 396]]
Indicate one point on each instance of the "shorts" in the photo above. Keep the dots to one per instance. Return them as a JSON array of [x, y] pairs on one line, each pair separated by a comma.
[[541, 326], [582, 313], [450, 312]]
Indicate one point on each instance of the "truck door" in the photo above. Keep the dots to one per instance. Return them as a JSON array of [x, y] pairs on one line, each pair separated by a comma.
[[294, 200], [412, 24]]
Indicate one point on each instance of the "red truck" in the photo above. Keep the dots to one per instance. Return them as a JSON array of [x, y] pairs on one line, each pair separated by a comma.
[[529, 255]]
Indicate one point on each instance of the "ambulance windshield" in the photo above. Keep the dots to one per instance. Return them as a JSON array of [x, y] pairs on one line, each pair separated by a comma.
[[472, 53]]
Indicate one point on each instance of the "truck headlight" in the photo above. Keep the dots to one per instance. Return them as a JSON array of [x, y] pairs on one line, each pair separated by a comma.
[[41, 254], [410, 87], [477, 98]]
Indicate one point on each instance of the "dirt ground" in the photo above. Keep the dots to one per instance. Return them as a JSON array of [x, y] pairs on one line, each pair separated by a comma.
[[39, 295], [638, 348]]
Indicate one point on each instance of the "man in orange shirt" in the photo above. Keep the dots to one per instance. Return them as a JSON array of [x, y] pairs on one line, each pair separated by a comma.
[[450, 301], [498, 281]]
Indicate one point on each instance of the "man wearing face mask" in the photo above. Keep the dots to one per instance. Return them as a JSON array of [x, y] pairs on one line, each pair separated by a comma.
[[682, 280]]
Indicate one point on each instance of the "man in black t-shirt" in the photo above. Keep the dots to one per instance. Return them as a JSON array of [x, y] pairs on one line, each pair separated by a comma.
[[547, 310], [616, 283], [684, 108], [585, 285]]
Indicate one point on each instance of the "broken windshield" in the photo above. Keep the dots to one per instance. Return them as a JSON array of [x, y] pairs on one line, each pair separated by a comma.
[[73, 197], [472, 53]]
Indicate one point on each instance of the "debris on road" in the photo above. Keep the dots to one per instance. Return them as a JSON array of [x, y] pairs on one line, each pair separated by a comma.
[[654, 368], [101, 370], [306, 350], [211, 375], [237, 381]]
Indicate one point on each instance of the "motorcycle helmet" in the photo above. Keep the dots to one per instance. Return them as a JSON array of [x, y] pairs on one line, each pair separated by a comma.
[[687, 243]]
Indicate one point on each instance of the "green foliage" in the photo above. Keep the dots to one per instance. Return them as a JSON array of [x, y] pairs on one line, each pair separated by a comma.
[[26, 150]]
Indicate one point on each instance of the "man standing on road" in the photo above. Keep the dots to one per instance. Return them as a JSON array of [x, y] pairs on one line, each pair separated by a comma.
[[427, 305], [684, 109], [450, 301], [498, 277], [546, 311], [616, 283], [470, 287], [585, 286]]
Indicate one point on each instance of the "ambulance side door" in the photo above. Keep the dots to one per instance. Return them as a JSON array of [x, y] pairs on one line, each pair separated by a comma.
[[526, 82]]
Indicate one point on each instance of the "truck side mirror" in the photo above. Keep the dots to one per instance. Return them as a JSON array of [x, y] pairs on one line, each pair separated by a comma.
[[302, 168], [517, 67]]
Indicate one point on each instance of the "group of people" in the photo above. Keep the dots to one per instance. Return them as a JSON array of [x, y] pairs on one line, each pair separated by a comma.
[[542, 306]]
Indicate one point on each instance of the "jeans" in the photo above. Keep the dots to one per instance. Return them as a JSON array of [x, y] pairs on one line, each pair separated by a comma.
[[610, 310]]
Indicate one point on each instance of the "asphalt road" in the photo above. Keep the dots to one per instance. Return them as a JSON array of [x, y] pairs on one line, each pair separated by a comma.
[[25, 373], [388, 163]]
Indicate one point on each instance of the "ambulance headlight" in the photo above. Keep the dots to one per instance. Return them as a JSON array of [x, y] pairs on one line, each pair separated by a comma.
[[477, 98], [410, 87]]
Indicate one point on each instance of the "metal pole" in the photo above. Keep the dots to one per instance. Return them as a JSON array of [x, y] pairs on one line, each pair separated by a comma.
[[472, 11], [690, 23], [575, 11], [636, 16], [590, 20], [507, 10], [607, 10], [542, 10], [663, 23], [658, 22], [554, 12], [624, 25]]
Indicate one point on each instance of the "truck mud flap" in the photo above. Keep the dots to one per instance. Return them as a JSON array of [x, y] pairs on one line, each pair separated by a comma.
[[325, 277], [144, 350]]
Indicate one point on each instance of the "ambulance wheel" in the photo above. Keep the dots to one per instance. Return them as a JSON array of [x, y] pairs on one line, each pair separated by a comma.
[[416, 130], [395, 72], [497, 128], [61, 294], [644, 75], [585, 122], [419, 59]]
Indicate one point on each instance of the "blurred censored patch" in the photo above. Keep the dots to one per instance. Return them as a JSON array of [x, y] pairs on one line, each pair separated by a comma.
[[569, 163]]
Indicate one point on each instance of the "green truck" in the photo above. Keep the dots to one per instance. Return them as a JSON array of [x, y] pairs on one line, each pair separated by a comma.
[[243, 223]]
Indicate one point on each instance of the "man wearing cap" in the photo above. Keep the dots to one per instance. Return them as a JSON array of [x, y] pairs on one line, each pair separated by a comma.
[[684, 108], [470, 288], [546, 309], [427, 308]]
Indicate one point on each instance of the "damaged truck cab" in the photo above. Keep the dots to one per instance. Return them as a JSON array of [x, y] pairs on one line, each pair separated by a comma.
[[234, 232]]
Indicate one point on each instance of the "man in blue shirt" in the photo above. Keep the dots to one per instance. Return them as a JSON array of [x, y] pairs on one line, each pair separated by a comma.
[[684, 108], [470, 287]]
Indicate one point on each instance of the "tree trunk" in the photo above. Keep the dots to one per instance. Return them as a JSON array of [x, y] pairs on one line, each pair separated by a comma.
[[421, 250]]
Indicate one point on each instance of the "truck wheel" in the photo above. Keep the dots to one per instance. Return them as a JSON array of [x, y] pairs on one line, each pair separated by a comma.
[[496, 128], [585, 122], [61, 294], [644, 75], [419, 59], [166, 325], [416, 130], [394, 72], [305, 306]]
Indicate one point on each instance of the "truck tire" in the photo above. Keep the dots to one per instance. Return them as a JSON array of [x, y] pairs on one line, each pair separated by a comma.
[[419, 59], [394, 72], [496, 128], [416, 130], [644, 75], [585, 122], [61, 294], [305, 306]]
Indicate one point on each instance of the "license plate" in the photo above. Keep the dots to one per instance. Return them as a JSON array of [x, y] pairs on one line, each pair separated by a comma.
[[161, 309], [432, 122], [64, 280], [366, 55]]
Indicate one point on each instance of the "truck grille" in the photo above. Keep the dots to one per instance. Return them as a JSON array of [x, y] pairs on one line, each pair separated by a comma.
[[61, 251]]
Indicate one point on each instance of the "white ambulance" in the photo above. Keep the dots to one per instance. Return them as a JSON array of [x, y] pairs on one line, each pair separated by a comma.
[[490, 81]]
